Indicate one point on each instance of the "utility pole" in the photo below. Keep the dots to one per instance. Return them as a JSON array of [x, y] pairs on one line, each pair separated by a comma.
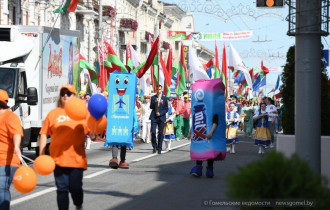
[[308, 82], [100, 21]]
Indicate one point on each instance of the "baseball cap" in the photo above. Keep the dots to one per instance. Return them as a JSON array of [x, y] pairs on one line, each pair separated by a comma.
[[70, 88], [4, 96]]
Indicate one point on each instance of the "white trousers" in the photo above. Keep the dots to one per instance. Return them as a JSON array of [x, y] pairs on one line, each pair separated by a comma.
[[146, 127]]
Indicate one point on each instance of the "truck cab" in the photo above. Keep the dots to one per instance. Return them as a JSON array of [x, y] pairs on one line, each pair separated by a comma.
[[13, 80], [35, 61]]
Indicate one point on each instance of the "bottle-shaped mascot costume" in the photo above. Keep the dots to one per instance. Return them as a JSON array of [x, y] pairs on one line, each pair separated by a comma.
[[121, 109], [208, 100]]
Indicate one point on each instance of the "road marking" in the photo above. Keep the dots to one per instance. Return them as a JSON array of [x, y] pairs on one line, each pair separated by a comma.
[[34, 195], [97, 173], [43, 192], [152, 155]]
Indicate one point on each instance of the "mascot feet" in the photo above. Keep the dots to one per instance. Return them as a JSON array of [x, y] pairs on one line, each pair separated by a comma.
[[209, 172], [197, 171], [113, 163], [123, 165]]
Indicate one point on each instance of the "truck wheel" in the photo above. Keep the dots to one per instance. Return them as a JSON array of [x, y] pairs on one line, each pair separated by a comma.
[[37, 151], [47, 149]]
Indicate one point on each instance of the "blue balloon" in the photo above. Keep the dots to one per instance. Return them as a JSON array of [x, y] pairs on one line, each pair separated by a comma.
[[97, 106]]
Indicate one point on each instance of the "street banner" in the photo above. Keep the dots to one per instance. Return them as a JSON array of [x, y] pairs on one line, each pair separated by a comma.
[[121, 107], [209, 36], [208, 104]]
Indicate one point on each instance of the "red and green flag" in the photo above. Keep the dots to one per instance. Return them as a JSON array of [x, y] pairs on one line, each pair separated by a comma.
[[168, 76], [217, 63], [92, 73], [177, 35], [181, 79], [150, 60], [224, 69], [67, 6]]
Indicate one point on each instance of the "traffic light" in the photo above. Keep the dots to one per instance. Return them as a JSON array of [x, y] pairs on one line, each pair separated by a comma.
[[270, 3]]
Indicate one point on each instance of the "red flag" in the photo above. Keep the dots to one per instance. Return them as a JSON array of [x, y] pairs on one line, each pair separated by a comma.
[[169, 63], [278, 95], [224, 67], [73, 5], [236, 73], [153, 82], [210, 63], [103, 51], [182, 60], [251, 73], [166, 74], [264, 68], [150, 59], [217, 63]]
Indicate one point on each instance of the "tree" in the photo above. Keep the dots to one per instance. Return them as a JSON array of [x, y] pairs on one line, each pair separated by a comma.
[[288, 95]]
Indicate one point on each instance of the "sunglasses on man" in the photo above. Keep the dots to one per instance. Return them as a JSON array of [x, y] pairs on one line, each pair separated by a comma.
[[68, 93]]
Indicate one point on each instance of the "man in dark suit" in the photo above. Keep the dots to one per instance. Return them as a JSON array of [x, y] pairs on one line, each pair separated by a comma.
[[159, 107]]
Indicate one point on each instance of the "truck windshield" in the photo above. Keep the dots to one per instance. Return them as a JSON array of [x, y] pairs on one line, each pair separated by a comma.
[[7, 80]]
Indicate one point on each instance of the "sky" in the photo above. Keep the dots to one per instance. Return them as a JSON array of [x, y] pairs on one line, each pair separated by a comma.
[[269, 42]]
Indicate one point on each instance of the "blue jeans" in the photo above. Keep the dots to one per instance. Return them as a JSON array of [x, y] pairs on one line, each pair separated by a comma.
[[6, 178], [68, 180]]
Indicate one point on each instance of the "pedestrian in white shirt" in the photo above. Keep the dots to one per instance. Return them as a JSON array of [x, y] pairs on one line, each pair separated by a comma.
[[272, 114], [146, 123]]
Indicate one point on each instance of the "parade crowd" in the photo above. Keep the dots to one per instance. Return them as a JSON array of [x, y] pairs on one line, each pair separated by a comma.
[[159, 118]]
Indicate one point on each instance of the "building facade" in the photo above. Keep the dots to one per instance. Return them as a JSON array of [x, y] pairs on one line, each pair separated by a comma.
[[123, 22]]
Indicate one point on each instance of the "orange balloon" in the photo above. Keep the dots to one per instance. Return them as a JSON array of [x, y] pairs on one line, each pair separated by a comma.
[[25, 179], [101, 124], [44, 165], [76, 109], [97, 126]]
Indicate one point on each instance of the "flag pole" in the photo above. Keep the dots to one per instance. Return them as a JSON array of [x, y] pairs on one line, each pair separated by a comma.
[[51, 30]]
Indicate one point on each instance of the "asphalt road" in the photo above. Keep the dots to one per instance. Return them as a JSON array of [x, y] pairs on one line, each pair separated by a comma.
[[152, 182]]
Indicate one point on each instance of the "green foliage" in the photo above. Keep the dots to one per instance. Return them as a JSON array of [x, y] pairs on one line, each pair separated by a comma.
[[278, 177], [288, 95], [288, 92]]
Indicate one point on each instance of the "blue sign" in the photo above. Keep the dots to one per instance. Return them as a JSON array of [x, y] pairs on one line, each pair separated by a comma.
[[325, 58]]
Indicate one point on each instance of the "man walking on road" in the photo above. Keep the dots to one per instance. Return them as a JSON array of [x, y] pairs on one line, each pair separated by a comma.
[[159, 106]]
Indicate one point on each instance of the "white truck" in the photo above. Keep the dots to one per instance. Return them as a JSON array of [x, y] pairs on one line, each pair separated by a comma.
[[32, 75]]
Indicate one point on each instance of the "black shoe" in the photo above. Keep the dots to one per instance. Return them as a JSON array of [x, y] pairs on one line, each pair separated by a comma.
[[159, 152], [154, 150]]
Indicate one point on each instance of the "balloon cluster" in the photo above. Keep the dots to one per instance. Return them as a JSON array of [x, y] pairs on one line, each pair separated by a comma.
[[77, 110], [25, 179], [97, 106]]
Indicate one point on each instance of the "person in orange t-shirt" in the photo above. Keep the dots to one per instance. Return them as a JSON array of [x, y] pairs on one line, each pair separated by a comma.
[[11, 133], [67, 148]]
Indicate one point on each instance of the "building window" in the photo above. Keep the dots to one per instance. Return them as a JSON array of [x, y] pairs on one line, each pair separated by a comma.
[[143, 48], [14, 16], [121, 37], [176, 45]]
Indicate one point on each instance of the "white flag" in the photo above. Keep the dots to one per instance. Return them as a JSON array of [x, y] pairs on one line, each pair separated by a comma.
[[196, 66], [236, 62], [141, 81]]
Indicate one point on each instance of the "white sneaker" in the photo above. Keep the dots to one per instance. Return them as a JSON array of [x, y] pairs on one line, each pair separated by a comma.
[[271, 145], [232, 149], [88, 143], [259, 150]]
